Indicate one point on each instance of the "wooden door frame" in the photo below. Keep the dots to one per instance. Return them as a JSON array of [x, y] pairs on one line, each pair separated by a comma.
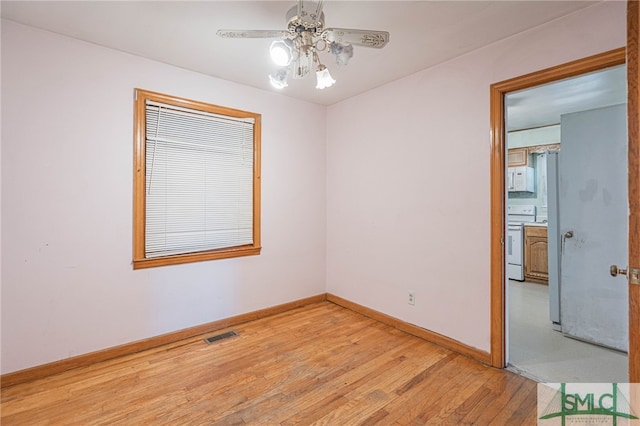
[[633, 117], [498, 201]]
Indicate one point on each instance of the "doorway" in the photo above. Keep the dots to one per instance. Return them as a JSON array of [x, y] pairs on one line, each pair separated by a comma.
[[572, 132], [498, 163]]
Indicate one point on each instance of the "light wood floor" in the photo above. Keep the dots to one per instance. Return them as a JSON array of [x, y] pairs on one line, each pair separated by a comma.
[[321, 364]]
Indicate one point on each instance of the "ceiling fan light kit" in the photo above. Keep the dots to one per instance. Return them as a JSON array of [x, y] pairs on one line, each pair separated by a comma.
[[281, 52], [297, 49], [278, 78], [324, 78]]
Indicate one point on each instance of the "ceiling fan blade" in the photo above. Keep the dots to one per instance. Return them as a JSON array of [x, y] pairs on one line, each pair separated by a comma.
[[366, 38], [252, 33]]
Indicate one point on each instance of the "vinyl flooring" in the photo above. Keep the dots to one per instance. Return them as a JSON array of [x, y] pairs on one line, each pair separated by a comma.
[[547, 355]]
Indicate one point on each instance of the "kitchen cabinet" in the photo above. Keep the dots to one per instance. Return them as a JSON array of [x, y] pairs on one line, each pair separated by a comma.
[[541, 149], [518, 157], [536, 261]]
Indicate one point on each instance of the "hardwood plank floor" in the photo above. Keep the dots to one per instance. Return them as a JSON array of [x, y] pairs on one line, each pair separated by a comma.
[[321, 364]]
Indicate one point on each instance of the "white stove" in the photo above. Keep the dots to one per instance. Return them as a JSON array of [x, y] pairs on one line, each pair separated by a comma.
[[517, 216]]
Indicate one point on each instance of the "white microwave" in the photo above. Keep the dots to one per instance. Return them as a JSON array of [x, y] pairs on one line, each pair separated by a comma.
[[520, 179]]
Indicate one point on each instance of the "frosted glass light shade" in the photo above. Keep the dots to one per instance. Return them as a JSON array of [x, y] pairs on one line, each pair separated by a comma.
[[279, 78], [324, 78], [281, 53], [342, 52]]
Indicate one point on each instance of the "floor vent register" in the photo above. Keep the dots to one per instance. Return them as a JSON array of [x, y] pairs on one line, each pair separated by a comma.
[[222, 336]]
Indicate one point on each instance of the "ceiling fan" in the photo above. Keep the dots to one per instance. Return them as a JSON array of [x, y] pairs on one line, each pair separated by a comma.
[[297, 47]]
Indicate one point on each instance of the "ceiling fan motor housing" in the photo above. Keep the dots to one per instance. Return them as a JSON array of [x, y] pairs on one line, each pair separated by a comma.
[[305, 22]]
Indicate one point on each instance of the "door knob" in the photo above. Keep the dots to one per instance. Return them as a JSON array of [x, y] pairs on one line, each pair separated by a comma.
[[568, 234], [614, 270]]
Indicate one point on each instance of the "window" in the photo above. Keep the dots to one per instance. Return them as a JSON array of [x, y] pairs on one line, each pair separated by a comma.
[[196, 181]]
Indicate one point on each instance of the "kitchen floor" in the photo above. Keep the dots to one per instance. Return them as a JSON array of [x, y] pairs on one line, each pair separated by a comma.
[[545, 355]]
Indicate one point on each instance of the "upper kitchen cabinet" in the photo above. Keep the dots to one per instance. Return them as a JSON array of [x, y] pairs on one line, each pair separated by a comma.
[[541, 149], [518, 157], [524, 144]]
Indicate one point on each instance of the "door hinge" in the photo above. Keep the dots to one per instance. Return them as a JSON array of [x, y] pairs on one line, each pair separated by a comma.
[[634, 276]]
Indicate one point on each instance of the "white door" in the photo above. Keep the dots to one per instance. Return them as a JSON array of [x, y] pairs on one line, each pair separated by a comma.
[[593, 216]]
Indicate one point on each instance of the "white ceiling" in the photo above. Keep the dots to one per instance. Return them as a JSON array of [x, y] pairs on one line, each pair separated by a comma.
[[423, 34], [543, 105], [183, 33]]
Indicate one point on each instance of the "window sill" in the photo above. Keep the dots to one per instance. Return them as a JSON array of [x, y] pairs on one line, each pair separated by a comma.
[[196, 257]]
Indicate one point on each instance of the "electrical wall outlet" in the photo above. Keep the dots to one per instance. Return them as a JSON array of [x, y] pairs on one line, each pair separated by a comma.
[[412, 298]]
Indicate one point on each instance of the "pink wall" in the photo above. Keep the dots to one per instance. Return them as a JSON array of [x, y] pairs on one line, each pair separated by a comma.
[[399, 166], [68, 287], [408, 178]]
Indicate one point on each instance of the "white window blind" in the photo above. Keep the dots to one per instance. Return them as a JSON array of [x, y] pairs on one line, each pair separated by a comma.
[[199, 181]]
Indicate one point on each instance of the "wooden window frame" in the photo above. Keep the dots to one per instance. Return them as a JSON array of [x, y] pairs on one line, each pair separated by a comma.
[[139, 182]]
